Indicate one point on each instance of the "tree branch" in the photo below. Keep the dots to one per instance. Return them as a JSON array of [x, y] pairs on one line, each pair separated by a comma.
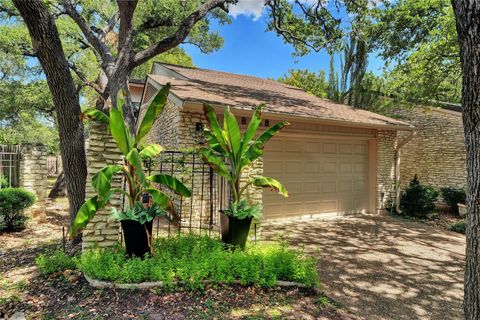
[[96, 43], [86, 82], [181, 33]]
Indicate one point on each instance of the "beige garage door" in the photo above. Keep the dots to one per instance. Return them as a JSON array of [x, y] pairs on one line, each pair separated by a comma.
[[321, 176]]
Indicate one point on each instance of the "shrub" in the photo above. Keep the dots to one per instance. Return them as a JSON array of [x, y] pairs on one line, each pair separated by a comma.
[[418, 200], [3, 181], [58, 261], [452, 196], [12, 203], [193, 260], [458, 226]]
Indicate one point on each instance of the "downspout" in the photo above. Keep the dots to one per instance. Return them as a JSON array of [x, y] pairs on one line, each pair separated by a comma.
[[397, 168]]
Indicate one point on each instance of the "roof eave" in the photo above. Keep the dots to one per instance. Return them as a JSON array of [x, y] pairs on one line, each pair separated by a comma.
[[196, 105]]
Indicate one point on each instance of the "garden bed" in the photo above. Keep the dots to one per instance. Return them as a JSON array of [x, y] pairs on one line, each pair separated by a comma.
[[191, 262]]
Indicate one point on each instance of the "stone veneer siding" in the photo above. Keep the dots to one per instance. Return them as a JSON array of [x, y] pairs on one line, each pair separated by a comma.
[[102, 151], [437, 153], [386, 143], [33, 176]]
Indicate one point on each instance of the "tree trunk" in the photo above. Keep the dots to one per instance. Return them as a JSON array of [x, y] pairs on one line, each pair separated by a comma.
[[467, 14], [48, 48], [59, 187]]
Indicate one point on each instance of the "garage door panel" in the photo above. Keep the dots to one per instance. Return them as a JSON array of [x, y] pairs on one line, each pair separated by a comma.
[[345, 148], [329, 167], [329, 187], [321, 176], [294, 167], [329, 148]]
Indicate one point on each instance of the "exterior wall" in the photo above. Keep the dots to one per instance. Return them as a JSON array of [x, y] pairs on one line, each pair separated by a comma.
[[386, 143], [101, 151], [165, 129], [33, 176], [437, 153]]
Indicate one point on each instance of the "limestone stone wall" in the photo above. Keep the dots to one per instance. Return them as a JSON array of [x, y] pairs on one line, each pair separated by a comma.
[[33, 176], [101, 151], [386, 143], [437, 154]]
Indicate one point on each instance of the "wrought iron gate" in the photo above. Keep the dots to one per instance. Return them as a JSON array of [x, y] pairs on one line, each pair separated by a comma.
[[10, 166]]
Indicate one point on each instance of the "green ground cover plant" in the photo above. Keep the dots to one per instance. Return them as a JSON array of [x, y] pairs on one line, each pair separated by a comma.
[[57, 261], [458, 226], [191, 261]]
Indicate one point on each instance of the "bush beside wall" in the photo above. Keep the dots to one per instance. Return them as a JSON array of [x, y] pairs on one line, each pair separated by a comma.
[[13, 202]]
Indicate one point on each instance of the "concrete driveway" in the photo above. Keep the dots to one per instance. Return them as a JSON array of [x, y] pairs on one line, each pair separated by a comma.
[[382, 267]]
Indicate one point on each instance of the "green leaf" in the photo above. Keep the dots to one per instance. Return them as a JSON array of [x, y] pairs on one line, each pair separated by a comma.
[[86, 212], [159, 197], [151, 151], [252, 127], [101, 181], [216, 162], [154, 109], [266, 182], [95, 114], [231, 132], [255, 149], [168, 181], [120, 133], [133, 157], [215, 128], [212, 141], [270, 132]]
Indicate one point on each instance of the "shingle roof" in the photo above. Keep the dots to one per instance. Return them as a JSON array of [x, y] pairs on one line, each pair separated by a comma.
[[246, 92]]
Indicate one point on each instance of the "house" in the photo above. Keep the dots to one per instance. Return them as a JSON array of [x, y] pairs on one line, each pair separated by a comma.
[[437, 153], [333, 158]]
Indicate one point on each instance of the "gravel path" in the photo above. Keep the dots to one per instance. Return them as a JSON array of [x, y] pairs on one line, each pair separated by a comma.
[[382, 267]]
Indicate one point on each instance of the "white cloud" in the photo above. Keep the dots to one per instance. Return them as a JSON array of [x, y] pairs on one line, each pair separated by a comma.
[[249, 8]]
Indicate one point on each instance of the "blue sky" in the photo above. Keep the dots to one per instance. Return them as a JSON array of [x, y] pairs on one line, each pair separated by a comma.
[[249, 49]]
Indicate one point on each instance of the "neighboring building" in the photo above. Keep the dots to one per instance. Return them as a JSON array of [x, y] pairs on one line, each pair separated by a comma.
[[437, 153], [333, 159]]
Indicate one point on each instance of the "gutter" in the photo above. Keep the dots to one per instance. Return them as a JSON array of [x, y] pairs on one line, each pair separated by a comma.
[[411, 135]]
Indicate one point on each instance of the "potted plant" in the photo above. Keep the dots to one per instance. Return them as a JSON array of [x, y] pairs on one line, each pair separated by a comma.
[[230, 154], [136, 218]]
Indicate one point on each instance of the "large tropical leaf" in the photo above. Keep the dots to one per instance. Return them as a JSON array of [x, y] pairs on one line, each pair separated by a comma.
[[154, 109], [215, 128], [151, 151], [101, 181], [216, 162], [85, 213], [95, 114], [252, 127], [212, 141], [159, 197], [133, 157], [255, 148], [231, 132], [120, 133], [168, 181], [266, 182], [270, 132]]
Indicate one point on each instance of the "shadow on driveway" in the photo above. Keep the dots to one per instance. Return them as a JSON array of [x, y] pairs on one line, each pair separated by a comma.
[[382, 267]]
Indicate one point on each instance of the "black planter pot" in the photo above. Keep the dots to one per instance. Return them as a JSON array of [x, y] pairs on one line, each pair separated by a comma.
[[136, 240], [235, 231]]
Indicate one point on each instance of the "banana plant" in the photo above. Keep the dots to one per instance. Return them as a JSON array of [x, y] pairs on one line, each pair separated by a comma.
[[229, 153], [132, 171]]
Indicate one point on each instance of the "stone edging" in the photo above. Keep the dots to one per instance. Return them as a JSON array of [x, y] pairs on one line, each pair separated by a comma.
[[99, 284]]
